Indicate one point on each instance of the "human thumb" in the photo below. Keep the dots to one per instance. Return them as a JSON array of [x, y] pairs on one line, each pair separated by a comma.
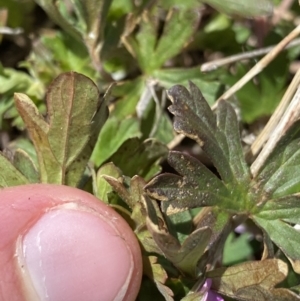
[[59, 243]]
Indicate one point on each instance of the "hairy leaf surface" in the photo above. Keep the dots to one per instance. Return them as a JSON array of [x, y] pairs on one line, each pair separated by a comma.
[[219, 138], [64, 142]]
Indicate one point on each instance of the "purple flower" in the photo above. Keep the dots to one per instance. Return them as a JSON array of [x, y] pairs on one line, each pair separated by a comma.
[[209, 295]]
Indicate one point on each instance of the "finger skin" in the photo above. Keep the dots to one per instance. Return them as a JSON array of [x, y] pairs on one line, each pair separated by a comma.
[[22, 207]]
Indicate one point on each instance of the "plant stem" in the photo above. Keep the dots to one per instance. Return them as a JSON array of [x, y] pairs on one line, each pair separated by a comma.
[[213, 65]]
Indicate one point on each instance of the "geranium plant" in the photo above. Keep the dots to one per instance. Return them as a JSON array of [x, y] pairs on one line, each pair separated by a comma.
[[123, 88]]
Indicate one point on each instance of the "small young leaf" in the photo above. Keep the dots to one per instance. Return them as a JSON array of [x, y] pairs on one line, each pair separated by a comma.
[[237, 249], [186, 256], [220, 223], [115, 132], [135, 157], [26, 146], [133, 197], [102, 188], [9, 175], [38, 129], [26, 166], [54, 45], [157, 274]]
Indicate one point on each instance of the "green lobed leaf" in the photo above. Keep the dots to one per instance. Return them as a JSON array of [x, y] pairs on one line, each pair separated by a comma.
[[172, 76], [114, 133], [9, 175], [178, 30], [280, 174], [136, 157], [13, 80], [142, 45], [253, 281], [237, 249], [151, 52], [61, 53], [218, 136], [197, 187], [128, 94], [180, 224], [16, 81], [285, 208], [285, 237], [75, 117]]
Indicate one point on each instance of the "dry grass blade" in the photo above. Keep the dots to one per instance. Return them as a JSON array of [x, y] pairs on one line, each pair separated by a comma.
[[213, 65], [176, 141], [260, 65], [291, 114], [274, 120]]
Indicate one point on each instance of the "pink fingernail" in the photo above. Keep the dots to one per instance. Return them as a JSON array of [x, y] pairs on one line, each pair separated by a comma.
[[71, 254]]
